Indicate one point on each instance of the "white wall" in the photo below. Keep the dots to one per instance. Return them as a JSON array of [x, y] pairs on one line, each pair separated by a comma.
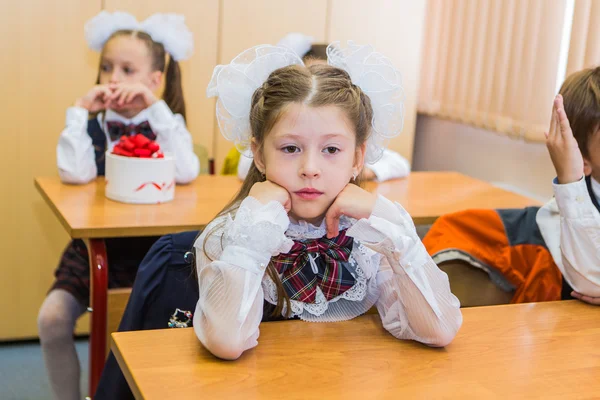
[[447, 145]]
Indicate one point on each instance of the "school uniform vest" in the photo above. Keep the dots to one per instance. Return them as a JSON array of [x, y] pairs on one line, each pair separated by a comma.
[[99, 142]]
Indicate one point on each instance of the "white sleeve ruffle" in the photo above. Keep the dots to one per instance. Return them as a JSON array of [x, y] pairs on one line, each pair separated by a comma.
[[231, 258], [415, 301]]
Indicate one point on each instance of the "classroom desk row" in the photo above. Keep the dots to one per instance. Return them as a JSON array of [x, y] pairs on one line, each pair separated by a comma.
[[540, 350], [86, 214]]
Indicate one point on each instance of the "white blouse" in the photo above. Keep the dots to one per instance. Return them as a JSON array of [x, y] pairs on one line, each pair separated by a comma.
[[75, 151], [570, 225], [391, 267]]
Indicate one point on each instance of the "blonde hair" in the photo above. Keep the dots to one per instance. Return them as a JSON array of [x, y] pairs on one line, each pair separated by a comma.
[[316, 86]]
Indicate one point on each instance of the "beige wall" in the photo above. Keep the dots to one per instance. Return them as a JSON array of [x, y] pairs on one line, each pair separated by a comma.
[[395, 28], [46, 65], [447, 145]]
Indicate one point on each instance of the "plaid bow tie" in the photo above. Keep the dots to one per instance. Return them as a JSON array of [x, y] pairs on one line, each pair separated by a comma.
[[116, 129], [313, 263]]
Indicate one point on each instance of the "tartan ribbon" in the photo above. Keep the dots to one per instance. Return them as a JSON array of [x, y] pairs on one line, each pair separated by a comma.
[[316, 263]]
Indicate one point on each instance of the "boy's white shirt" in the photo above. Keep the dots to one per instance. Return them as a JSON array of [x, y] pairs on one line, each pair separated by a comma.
[[570, 226], [391, 165], [394, 272], [75, 152]]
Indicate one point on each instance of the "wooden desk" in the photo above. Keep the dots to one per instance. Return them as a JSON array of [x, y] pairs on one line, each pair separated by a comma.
[[543, 350], [429, 195], [86, 213]]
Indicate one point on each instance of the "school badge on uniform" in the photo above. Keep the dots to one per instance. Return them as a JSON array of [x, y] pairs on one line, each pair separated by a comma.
[[180, 319]]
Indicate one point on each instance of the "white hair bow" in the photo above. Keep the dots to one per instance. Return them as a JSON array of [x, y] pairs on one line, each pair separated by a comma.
[[168, 29], [235, 83]]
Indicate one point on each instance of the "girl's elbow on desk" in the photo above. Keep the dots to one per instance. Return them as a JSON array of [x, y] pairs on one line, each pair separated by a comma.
[[224, 350], [444, 334], [443, 339], [223, 346]]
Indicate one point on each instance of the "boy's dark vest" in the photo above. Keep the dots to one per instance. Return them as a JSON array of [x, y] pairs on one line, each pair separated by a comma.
[[588, 182]]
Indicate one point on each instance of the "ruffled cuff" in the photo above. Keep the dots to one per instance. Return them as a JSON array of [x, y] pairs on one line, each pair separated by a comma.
[[391, 231], [259, 229], [384, 212]]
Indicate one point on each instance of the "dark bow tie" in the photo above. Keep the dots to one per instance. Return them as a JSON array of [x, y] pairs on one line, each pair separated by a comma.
[[116, 129], [316, 263]]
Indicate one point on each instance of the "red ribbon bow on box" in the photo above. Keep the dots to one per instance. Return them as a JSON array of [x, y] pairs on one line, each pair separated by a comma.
[[137, 146]]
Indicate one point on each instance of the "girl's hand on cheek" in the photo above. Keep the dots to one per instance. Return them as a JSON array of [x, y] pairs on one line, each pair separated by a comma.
[[267, 191], [352, 202]]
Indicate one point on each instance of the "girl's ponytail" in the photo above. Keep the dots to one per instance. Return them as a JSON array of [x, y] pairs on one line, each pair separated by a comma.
[[173, 94]]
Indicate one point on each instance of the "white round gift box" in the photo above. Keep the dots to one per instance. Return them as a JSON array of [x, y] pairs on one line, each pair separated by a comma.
[[140, 180]]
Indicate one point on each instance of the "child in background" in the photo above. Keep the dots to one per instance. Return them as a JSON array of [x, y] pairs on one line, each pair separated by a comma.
[[132, 67], [536, 254]]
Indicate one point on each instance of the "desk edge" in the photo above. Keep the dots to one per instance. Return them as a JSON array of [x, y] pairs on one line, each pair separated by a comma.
[[53, 207], [124, 368]]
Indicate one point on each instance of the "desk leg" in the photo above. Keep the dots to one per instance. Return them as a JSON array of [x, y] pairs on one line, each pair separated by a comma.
[[98, 296]]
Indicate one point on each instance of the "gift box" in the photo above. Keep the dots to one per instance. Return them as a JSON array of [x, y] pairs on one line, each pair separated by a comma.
[[137, 172]]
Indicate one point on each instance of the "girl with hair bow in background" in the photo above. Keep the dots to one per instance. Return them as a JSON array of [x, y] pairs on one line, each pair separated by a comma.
[[135, 59]]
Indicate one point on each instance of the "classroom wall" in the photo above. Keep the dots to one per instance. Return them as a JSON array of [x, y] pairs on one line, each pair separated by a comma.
[[517, 165], [396, 29], [46, 65]]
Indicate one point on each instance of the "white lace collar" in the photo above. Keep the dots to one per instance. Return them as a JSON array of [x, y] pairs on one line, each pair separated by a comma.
[[303, 230], [363, 264]]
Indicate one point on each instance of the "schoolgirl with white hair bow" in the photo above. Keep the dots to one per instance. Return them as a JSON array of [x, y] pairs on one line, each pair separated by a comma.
[[302, 239], [136, 58]]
